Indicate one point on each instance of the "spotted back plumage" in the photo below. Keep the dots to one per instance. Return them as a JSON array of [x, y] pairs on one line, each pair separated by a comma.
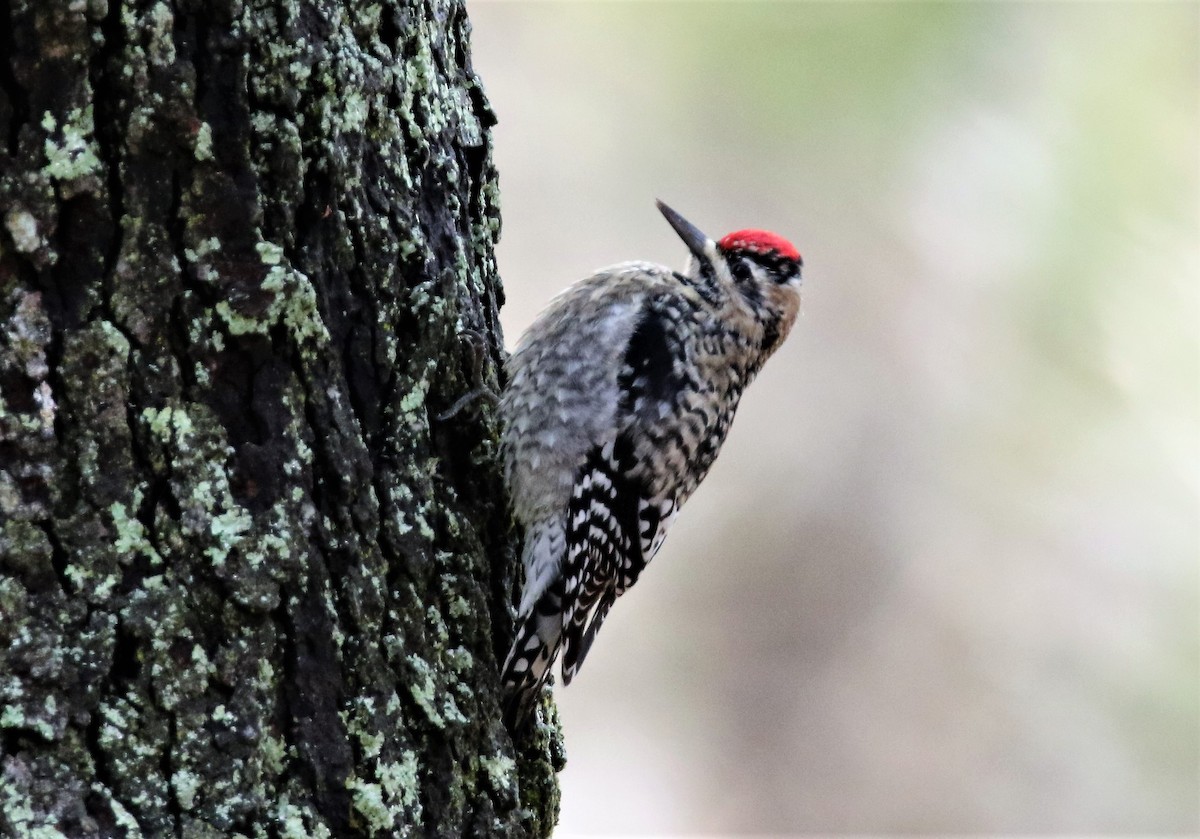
[[620, 396]]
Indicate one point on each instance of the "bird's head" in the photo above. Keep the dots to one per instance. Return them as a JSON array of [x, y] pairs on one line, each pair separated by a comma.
[[754, 271]]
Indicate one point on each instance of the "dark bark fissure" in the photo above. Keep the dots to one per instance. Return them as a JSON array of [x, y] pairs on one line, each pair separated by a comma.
[[251, 583], [14, 110]]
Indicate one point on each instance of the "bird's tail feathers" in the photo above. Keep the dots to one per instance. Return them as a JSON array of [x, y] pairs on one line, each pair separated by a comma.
[[579, 640], [539, 636]]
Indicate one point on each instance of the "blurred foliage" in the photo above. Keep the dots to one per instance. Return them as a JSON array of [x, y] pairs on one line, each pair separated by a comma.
[[946, 574]]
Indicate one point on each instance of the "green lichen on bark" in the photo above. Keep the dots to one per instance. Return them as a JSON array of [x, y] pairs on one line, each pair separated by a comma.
[[250, 584]]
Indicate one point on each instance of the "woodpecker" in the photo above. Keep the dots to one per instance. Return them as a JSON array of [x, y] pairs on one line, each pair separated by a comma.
[[619, 398]]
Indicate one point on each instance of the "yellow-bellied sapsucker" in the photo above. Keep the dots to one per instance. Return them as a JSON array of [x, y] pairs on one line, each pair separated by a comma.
[[620, 395]]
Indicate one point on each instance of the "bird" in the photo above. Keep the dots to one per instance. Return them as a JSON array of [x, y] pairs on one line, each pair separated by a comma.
[[619, 398]]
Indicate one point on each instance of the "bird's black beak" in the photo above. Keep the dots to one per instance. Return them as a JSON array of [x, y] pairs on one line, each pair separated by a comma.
[[691, 235]]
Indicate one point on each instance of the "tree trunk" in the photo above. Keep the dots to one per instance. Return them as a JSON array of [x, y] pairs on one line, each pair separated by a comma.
[[248, 578]]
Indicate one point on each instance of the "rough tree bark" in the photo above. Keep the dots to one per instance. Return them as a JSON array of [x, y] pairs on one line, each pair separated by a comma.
[[249, 582]]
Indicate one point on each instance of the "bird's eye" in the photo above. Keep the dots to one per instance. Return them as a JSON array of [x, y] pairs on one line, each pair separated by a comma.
[[741, 270]]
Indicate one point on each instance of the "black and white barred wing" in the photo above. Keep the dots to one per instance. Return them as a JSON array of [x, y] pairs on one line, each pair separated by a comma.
[[613, 530], [622, 505]]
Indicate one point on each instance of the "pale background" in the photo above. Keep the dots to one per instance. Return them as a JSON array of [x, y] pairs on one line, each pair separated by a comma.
[[944, 576]]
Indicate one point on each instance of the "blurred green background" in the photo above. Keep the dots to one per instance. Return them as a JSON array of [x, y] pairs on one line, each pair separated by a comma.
[[945, 576]]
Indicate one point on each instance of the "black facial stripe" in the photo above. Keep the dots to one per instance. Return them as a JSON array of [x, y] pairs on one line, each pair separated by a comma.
[[776, 263], [781, 268]]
